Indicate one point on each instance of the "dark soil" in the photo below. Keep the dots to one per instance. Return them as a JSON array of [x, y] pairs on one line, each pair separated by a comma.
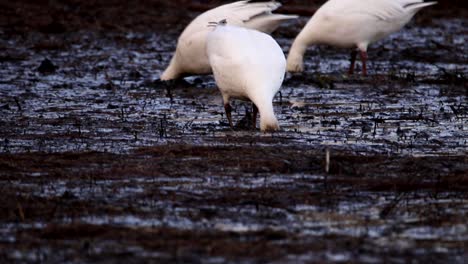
[[102, 162]]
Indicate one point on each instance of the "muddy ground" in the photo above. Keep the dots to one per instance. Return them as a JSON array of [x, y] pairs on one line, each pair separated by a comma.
[[101, 162]]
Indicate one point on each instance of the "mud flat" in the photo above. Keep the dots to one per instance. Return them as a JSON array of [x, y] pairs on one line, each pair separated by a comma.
[[100, 161]]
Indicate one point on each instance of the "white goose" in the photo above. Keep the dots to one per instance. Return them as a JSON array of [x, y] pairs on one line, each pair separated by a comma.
[[352, 24], [190, 56], [247, 65]]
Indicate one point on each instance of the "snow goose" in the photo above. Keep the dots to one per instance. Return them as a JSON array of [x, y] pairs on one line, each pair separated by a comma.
[[190, 56], [352, 24], [248, 65]]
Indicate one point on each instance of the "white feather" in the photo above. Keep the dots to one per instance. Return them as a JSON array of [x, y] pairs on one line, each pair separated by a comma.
[[352, 23], [248, 65], [190, 55]]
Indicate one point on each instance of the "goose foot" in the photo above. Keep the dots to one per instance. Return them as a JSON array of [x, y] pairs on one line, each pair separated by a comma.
[[364, 60], [353, 62], [228, 109]]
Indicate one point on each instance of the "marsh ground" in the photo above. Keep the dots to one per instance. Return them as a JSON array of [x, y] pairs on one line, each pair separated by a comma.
[[102, 162]]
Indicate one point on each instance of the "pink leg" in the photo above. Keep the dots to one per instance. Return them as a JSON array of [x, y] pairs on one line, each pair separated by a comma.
[[228, 109], [364, 60], [353, 62], [254, 115]]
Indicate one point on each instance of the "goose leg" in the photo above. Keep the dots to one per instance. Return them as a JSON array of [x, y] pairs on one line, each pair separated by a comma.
[[228, 109], [364, 60], [353, 62], [254, 116]]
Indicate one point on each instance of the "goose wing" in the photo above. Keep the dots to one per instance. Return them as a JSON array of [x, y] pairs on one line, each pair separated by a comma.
[[241, 13], [244, 10], [386, 10]]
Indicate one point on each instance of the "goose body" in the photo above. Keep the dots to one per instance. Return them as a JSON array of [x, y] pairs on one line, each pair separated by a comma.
[[190, 56], [247, 65], [352, 24]]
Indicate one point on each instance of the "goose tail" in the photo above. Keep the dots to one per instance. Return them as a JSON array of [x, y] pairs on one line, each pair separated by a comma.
[[416, 6], [259, 14], [268, 22]]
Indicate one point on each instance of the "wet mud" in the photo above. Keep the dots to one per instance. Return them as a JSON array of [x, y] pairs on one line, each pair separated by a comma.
[[102, 162]]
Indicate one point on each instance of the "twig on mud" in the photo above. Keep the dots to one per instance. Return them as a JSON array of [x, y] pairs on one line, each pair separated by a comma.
[[162, 126], [135, 135], [20, 211], [377, 120], [122, 113], [390, 207], [20, 109], [445, 47], [327, 163], [6, 147], [189, 123], [257, 205]]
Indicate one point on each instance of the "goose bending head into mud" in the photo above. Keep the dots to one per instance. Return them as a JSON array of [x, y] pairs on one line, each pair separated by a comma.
[[247, 65], [352, 24], [190, 56]]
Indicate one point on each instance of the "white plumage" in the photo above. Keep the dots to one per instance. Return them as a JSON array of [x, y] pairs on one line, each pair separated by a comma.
[[247, 65], [190, 55], [352, 24]]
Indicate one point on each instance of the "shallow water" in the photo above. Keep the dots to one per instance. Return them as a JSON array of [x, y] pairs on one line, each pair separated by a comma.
[[103, 94]]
